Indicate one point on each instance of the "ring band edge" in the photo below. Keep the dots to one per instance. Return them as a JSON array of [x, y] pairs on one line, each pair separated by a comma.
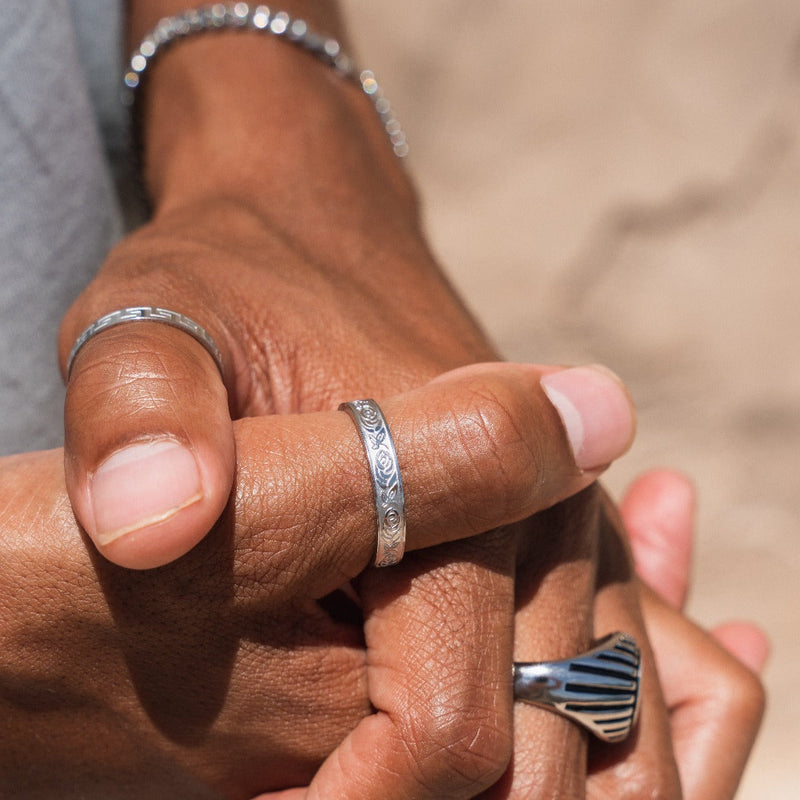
[[147, 314], [387, 483]]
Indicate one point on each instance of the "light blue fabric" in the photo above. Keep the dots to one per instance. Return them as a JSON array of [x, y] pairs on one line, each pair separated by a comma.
[[58, 209]]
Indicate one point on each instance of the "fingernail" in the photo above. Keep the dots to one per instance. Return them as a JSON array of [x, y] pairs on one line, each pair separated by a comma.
[[596, 411], [141, 485]]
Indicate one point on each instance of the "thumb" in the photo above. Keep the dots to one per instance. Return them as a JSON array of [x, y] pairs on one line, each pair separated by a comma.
[[149, 447]]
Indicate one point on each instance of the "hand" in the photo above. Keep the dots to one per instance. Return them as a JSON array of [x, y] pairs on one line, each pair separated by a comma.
[[174, 682], [471, 573], [713, 699], [247, 247], [306, 318], [710, 680], [645, 763]]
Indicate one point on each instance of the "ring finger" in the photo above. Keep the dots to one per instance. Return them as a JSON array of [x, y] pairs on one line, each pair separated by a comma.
[[644, 766], [555, 584]]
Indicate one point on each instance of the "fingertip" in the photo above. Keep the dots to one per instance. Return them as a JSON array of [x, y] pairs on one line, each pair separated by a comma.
[[658, 510], [151, 502], [592, 402], [597, 413], [746, 642], [658, 513], [668, 488]]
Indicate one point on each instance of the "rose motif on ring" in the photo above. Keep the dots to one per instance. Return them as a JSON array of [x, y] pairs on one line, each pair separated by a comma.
[[369, 415], [384, 461], [392, 520]]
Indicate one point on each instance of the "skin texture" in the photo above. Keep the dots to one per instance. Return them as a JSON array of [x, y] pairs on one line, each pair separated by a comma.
[[130, 684], [173, 682], [311, 303], [716, 704], [312, 274]]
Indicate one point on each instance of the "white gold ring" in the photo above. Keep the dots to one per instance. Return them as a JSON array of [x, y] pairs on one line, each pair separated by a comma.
[[148, 314], [385, 471]]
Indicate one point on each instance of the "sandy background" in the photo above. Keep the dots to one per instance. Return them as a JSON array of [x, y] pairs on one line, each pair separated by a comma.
[[620, 182]]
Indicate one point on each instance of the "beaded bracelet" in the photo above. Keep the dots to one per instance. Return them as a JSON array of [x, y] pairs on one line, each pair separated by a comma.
[[243, 16]]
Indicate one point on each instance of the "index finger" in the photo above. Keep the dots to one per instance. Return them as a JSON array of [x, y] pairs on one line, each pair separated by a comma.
[[554, 592], [478, 449]]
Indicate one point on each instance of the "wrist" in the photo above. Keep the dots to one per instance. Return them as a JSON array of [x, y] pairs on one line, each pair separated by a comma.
[[244, 115]]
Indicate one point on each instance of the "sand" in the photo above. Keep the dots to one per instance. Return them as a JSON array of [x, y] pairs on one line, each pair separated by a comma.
[[620, 182]]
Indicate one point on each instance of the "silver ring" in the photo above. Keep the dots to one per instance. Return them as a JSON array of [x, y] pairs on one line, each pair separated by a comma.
[[149, 314], [598, 689], [385, 471]]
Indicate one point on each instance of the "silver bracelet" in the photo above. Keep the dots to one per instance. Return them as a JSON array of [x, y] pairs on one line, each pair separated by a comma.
[[259, 18]]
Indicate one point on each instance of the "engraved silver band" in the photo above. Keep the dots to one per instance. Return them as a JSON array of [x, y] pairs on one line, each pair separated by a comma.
[[261, 19], [148, 314], [598, 689], [385, 471]]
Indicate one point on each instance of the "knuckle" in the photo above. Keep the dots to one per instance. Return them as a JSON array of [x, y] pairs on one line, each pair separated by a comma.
[[463, 740], [495, 444], [543, 772], [460, 729], [742, 695], [276, 509], [138, 372], [461, 750], [646, 776]]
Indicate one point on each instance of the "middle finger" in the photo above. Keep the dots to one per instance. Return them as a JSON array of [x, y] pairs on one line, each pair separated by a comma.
[[555, 585]]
